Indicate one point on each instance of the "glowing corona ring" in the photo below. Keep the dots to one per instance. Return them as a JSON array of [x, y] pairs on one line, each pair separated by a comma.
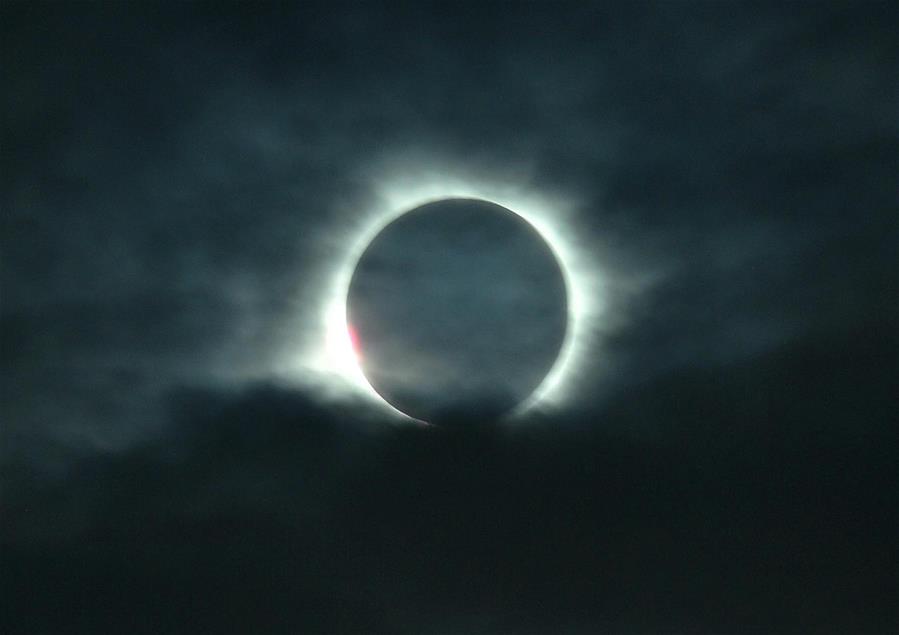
[[337, 355]]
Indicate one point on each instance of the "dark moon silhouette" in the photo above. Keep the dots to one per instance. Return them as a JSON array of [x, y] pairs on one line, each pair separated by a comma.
[[457, 306]]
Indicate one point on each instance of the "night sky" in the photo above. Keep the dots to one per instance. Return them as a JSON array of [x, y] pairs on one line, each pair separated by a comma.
[[183, 450]]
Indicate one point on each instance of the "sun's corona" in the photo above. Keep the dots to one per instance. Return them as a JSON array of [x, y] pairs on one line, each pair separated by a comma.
[[552, 217]]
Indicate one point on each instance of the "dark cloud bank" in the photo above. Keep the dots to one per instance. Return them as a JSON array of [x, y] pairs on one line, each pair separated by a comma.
[[174, 182], [260, 512]]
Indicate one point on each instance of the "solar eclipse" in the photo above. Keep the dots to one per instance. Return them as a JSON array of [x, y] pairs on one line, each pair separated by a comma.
[[457, 305], [331, 361]]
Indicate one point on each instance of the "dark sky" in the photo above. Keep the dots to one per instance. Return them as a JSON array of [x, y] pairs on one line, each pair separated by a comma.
[[181, 184]]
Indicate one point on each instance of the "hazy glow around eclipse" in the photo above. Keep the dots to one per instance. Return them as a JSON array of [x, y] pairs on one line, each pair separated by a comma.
[[336, 355]]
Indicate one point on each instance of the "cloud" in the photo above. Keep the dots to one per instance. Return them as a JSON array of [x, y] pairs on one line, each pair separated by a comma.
[[178, 197], [178, 187], [261, 511]]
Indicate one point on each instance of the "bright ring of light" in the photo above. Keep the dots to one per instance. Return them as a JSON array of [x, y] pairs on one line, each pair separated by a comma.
[[546, 215]]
